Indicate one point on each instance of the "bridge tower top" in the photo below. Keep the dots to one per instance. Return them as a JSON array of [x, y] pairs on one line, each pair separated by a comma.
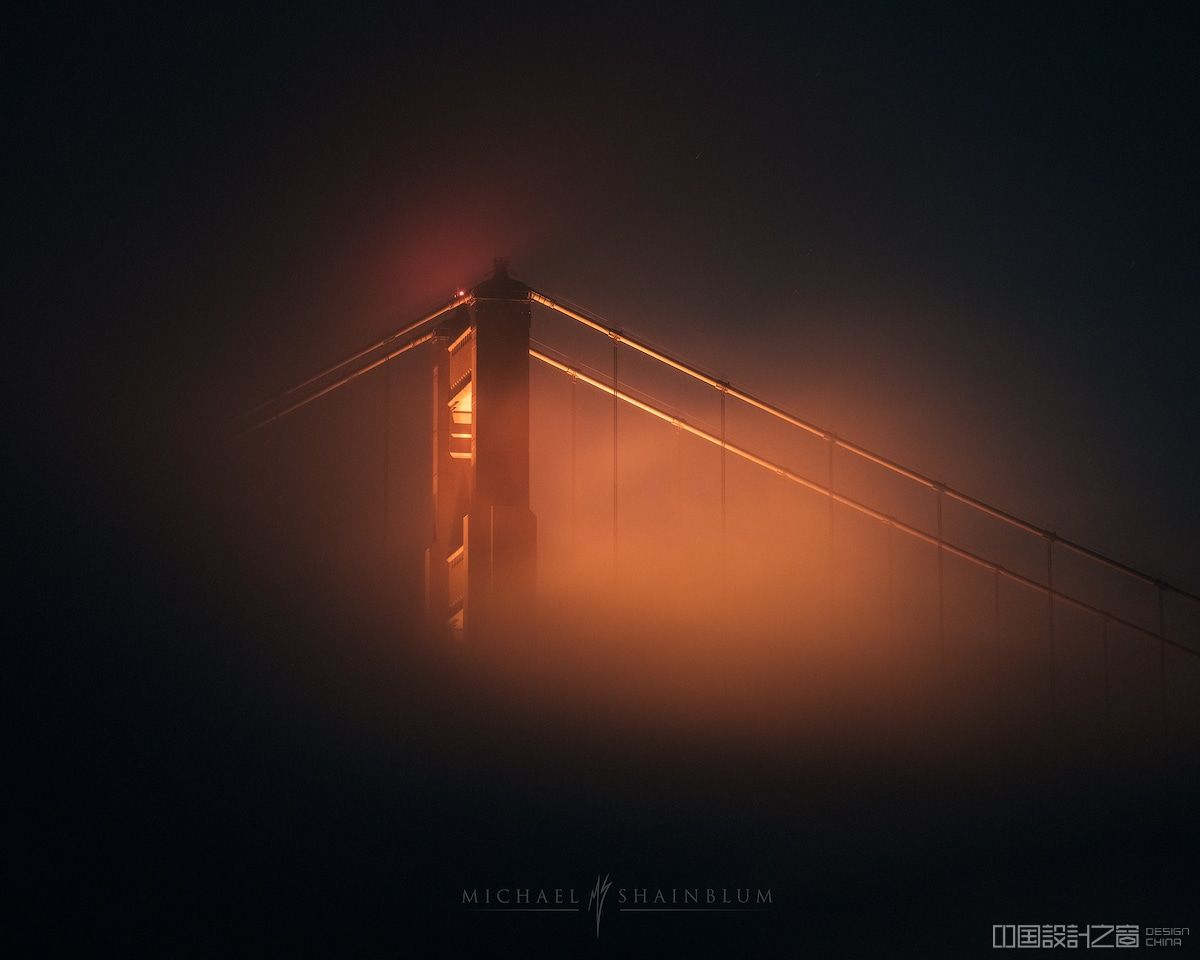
[[482, 562], [500, 286]]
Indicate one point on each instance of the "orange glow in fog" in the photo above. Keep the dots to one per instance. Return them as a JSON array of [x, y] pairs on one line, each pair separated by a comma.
[[708, 562]]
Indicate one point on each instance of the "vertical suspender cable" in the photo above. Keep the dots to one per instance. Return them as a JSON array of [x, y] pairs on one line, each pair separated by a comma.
[[891, 584], [387, 459], [724, 547], [829, 546], [616, 403], [678, 517], [574, 468], [1053, 655], [1162, 687], [1108, 746], [941, 580], [278, 497], [999, 651]]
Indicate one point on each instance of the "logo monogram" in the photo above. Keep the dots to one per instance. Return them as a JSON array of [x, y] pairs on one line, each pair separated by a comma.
[[599, 892]]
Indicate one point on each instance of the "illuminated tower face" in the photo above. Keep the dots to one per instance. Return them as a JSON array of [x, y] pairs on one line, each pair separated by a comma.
[[482, 562]]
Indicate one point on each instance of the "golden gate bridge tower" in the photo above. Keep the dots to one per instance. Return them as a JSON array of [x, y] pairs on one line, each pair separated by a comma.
[[481, 563], [938, 575]]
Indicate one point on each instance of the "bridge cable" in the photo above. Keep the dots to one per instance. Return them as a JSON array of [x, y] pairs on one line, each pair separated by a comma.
[[1162, 681], [998, 648], [1053, 650], [1108, 744], [941, 572], [850, 502], [387, 460], [354, 375], [859, 451], [679, 515], [364, 352], [724, 544], [616, 343], [831, 551], [574, 469], [891, 580]]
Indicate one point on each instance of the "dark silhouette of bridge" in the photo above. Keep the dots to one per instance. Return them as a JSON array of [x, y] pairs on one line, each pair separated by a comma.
[[482, 564]]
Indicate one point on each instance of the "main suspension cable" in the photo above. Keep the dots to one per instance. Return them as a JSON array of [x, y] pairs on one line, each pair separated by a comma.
[[364, 352], [853, 504], [888, 464], [354, 375]]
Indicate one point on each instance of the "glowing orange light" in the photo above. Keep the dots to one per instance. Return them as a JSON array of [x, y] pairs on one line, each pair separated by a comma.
[[460, 415]]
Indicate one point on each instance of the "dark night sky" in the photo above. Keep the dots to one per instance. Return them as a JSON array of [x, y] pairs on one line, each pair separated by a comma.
[[965, 238]]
